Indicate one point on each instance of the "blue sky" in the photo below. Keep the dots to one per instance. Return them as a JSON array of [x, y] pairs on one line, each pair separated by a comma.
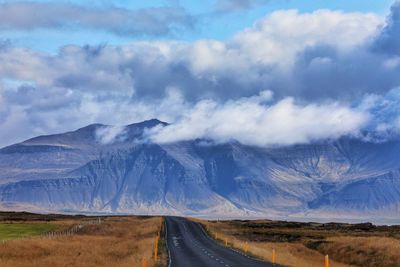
[[210, 24]]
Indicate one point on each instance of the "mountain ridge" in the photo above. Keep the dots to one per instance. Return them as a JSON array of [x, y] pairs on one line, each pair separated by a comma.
[[74, 171]]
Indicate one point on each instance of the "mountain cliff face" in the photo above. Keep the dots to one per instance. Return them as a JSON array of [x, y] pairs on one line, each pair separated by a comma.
[[78, 173]]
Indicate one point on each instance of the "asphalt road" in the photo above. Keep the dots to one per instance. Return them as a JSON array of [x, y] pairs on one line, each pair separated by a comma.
[[189, 246]]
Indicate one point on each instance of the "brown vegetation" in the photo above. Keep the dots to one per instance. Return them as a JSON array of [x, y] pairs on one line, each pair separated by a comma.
[[305, 244], [117, 241]]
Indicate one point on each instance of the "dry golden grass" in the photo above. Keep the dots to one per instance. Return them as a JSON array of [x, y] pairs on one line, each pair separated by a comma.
[[118, 241], [364, 251], [287, 254], [305, 245]]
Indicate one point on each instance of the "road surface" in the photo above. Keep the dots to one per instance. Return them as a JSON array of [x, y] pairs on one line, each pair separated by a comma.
[[189, 246]]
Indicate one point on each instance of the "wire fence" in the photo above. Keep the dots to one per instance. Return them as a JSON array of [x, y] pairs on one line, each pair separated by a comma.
[[72, 230]]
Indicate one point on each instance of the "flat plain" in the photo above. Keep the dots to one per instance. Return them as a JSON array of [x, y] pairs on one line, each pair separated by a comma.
[[28, 239], [115, 241]]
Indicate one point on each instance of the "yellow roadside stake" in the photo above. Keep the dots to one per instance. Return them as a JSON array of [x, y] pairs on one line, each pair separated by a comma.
[[144, 262], [156, 251], [326, 261], [273, 256], [246, 247], [226, 242]]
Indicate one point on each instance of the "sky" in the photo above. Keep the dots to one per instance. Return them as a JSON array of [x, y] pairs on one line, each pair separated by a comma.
[[260, 72], [209, 19]]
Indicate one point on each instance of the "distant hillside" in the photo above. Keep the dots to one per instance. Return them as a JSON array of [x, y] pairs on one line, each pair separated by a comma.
[[78, 171]]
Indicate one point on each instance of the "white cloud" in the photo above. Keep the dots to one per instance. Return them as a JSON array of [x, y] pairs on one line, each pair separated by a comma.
[[385, 110], [277, 38], [251, 121], [110, 134], [252, 57]]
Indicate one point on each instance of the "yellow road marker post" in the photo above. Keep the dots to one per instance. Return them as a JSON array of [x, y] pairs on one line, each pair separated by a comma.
[[144, 262], [156, 250], [326, 261], [246, 247], [273, 256]]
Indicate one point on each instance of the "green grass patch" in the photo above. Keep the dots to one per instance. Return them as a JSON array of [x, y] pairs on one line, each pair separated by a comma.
[[10, 231]]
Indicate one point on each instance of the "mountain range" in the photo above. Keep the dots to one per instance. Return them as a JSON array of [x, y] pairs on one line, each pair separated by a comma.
[[79, 172]]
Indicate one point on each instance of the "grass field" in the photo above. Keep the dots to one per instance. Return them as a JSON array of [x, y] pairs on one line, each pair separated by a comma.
[[127, 240], [306, 244], [9, 231], [117, 241]]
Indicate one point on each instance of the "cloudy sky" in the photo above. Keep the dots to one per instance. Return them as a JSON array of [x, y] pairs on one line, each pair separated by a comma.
[[262, 72]]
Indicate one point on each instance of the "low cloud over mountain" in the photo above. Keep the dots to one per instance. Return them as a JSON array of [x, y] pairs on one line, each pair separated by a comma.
[[78, 172]]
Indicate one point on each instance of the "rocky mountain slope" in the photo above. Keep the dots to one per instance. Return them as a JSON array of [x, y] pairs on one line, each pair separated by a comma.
[[78, 172]]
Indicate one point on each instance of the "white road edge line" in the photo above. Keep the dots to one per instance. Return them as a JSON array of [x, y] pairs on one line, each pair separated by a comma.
[[166, 242], [237, 251]]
